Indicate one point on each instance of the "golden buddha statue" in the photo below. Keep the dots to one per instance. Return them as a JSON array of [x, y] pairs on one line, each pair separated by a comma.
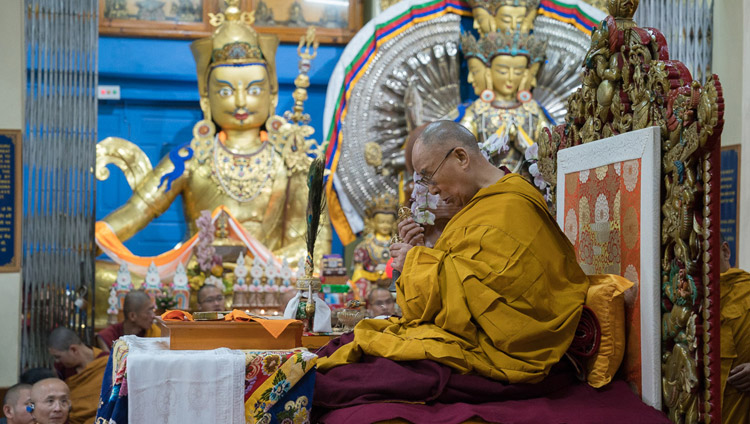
[[259, 176], [372, 253], [504, 15], [506, 108]]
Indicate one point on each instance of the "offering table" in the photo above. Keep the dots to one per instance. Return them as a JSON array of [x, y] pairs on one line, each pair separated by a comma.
[[145, 381]]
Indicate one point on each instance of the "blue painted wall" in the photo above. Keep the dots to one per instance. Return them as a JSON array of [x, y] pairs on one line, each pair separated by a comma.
[[159, 106]]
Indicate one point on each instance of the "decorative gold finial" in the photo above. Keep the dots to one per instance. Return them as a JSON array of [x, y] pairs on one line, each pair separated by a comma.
[[308, 46], [623, 11], [307, 50]]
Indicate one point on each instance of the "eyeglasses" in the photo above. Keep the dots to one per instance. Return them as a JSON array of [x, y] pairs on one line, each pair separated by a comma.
[[213, 299], [427, 181]]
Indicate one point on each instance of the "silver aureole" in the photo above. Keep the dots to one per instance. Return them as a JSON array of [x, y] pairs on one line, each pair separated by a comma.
[[414, 78], [422, 60]]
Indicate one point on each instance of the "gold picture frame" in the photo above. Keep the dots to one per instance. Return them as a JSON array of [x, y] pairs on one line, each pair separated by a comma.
[[336, 21]]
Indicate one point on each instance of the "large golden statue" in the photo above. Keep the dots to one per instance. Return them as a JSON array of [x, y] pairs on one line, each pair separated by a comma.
[[505, 107], [259, 176]]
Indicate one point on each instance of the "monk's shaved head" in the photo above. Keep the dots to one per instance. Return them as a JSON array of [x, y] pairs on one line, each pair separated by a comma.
[[51, 400], [62, 338], [11, 396], [135, 300], [448, 162], [448, 133]]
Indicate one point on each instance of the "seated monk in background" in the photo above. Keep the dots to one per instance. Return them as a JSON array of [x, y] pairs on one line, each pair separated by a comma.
[[82, 369], [15, 403], [380, 303], [138, 310], [500, 295], [210, 299], [50, 402]]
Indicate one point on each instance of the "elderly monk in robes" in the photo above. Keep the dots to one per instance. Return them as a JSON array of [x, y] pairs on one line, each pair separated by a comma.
[[82, 368], [500, 294], [50, 401]]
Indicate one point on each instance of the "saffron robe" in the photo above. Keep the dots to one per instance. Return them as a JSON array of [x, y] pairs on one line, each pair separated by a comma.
[[85, 387], [500, 294], [735, 342]]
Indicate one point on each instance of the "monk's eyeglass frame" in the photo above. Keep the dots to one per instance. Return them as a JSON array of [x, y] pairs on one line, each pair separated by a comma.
[[427, 181]]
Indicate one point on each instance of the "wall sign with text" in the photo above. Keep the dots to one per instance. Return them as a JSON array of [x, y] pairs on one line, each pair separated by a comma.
[[730, 198], [11, 209]]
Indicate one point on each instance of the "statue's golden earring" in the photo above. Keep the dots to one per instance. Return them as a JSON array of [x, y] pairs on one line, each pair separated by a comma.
[[488, 95], [204, 132], [524, 95], [205, 128]]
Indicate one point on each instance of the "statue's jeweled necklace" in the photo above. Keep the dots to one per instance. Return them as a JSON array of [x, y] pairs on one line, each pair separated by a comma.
[[378, 249], [242, 176]]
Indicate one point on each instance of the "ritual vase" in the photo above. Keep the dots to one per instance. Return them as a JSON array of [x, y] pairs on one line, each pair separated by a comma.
[[306, 310]]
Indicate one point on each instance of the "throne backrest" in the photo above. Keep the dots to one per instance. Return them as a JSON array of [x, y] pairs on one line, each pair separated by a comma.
[[630, 84]]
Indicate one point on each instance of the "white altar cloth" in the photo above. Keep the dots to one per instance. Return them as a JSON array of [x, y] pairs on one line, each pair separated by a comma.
[[183, 386]]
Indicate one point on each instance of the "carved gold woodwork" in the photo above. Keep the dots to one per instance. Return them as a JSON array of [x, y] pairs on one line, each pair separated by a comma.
[[629, 83]]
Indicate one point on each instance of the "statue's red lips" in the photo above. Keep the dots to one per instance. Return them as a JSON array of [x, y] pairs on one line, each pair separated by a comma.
[[241, 116]]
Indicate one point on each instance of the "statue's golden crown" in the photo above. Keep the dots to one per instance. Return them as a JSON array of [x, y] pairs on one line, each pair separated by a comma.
[[234, 42], [492, 5], [503, 43], [384, 203]]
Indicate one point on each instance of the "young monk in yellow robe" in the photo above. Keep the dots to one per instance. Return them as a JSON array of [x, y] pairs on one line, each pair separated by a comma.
[[735, 341], [82, 368], [500, 294]]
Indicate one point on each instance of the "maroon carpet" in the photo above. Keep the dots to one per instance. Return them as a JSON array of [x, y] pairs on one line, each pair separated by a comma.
[[378, 389]]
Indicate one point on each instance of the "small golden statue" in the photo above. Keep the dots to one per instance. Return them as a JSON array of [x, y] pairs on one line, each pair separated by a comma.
[[372, 253], [259, 176]]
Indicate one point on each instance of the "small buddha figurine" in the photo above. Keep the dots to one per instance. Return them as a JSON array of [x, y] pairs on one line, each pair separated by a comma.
[[296, 17], [372, 253], [506, 119], [259, 176], [504, 15]]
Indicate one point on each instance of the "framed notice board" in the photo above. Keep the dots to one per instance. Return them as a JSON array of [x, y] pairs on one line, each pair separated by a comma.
[[11, 208], [730, 198]]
